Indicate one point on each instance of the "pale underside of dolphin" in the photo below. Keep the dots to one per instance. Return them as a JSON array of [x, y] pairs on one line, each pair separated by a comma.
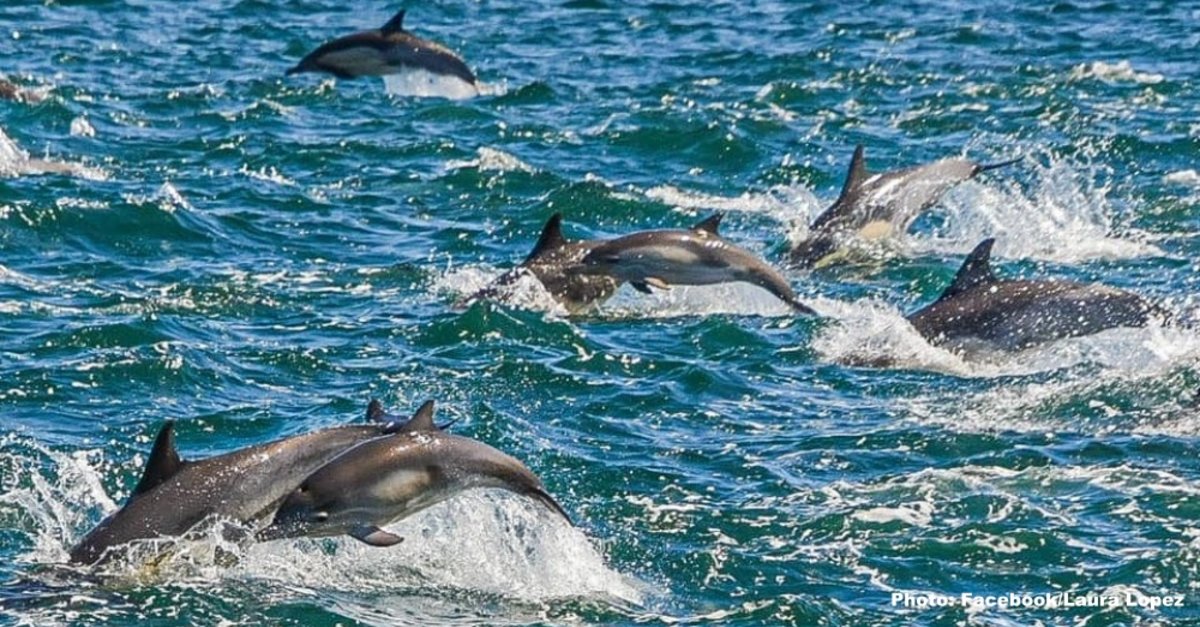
[[873, 207], [391, 478], [386, 51], [695, 256], [979, 310], [243, 486], [549, 261]]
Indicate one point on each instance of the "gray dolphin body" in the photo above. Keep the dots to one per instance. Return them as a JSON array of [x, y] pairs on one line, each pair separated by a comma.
[[390, 478], [980, 310], [388, 50], [244, 486], [550, 261], [11, 91], [696, 256], [877, 206]]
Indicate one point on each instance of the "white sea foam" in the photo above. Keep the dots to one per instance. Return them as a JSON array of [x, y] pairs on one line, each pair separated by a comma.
[[14, 161], [793, 206], [741, 299], [873, 333], [421, 83], [1119, 72], [526, 292], [80, 127], [1190, 178], [1064, 214], [480, 541], [492, 160]]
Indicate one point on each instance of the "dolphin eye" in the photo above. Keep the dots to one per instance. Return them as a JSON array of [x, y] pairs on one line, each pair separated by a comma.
[[321, 516]]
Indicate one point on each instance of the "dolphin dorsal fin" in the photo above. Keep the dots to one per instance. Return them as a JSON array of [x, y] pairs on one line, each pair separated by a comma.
[[844, 205], [975, 271], [550, 239], [422, 419], [394, 25], [375, 411], [164, 460], [710, 224], [858, 172]]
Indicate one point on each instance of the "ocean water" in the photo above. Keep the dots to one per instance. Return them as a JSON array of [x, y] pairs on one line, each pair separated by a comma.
[[256, 256]]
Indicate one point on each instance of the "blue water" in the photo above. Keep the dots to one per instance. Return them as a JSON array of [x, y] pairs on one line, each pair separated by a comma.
[[256, 257]]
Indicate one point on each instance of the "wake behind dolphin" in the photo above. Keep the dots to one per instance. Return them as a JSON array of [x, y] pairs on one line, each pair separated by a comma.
[[550, 262], [696, 256], [877, 206], [980, 310], [391, 50]]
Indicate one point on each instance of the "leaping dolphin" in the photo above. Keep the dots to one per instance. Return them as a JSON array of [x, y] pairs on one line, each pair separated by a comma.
[[552, 257], [695, 256], [980, 310], [387, 479], [245, 486], [387, 50], [877, 206]]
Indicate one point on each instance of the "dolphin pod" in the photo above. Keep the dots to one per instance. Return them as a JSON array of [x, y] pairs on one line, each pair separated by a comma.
[[695, 256], [387, 50], [390, 478], [878, 206], [247, 486], [980, 310]]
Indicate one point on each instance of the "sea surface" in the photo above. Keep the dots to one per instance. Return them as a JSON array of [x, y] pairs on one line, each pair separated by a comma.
[[257, 256]]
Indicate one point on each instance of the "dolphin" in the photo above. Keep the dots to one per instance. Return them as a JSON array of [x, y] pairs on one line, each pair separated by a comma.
[[877, 206], [695, 256], [246, 486], [980, 310], [11, 91], [387, 50], [387, 479], [552, 256]]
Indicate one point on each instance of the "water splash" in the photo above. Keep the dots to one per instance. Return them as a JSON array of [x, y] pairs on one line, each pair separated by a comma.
[[424, 84], [1065, 214]]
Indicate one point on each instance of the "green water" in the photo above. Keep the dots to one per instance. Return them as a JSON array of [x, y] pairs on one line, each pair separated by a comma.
[[256, 257]]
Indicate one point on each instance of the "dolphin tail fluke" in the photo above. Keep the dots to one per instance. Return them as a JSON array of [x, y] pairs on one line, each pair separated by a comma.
[[986, 167]]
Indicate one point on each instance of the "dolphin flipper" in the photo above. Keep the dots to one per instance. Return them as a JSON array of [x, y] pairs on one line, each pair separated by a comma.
[[375, 536]]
